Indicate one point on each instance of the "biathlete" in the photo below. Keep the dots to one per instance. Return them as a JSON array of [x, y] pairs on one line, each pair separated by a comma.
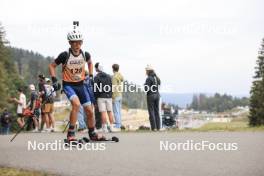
[[73, 75]]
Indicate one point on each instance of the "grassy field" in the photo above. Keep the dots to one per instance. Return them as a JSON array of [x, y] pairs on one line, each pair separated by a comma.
[[6, 171], [220, 127], [237, 124], [231, 126]]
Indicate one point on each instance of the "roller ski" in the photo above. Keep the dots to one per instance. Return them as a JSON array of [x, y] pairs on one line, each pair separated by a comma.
[[95, 137], [112, 139], [73, 142]]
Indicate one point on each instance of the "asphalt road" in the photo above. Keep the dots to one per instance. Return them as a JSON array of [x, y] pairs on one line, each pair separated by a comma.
[[140, 154]]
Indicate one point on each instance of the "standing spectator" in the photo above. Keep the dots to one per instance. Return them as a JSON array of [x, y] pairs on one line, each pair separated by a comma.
[[34, 106], [5, 122], [48, 106], [41, 89], [21, 105], [153, 97], [90, 85], [97, 115], [117, 81], [82, 125], [103, 95], [81, 115]]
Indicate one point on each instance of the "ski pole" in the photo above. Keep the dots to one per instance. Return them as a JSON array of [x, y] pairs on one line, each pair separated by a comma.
[[66, 127], [19, 130]]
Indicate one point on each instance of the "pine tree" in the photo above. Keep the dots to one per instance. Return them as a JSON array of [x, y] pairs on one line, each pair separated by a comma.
[[9, 79], [256, 116], [195, 102]]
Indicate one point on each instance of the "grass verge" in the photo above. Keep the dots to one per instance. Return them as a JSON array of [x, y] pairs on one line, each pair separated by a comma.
[[229, 126], [7, 171]]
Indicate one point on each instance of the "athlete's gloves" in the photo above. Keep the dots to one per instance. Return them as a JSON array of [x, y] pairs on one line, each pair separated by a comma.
[[55, 84], [91, 80], [54, 79]]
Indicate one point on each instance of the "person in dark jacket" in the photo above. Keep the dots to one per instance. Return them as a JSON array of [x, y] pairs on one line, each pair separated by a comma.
[[103, 96], [153, 98], [41, 89], [6, 119]]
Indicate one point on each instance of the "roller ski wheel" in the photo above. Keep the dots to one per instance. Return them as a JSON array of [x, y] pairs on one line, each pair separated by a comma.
[[102, 139], [73, 142]]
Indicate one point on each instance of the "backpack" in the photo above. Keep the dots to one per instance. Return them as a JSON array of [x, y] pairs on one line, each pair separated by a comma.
[[49, 92], [37, 103], [27, 113]]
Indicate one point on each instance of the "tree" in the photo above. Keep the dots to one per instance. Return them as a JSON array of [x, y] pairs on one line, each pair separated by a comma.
[[217, 103], [256, 115], [9, 79], [195, 102]]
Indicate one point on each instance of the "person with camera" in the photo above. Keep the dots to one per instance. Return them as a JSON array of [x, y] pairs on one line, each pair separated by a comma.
[[21, 105], [153, 98]]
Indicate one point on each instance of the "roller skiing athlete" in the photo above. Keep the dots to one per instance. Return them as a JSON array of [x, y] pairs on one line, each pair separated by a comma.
[[73, 75]]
